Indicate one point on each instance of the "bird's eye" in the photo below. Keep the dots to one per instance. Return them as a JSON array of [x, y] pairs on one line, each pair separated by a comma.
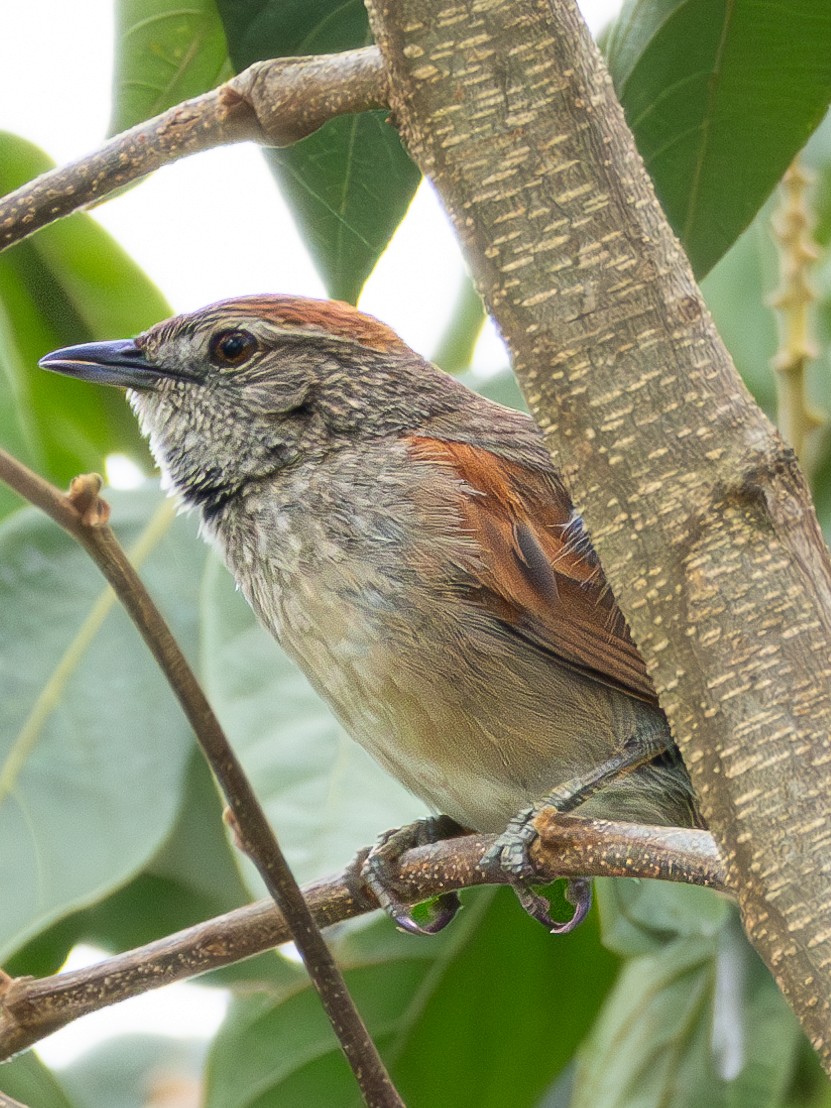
[[231, 348]]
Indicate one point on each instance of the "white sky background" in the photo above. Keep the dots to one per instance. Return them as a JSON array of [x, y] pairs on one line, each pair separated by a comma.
[[206, 228]]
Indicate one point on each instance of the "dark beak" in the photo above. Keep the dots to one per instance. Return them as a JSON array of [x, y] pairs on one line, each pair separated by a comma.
[[120, 363]]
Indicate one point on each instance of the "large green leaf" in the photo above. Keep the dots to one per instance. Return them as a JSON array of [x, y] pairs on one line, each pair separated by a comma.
[[698, 1021], [640, 917], [165, 52], [323, 794], [28, 1080], [720, 94], [93, 747], [192, 878], [485, 1014], [695, 1018], [350, 183], [69, 284]]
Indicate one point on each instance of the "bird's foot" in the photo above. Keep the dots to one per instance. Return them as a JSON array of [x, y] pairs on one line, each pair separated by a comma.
[[511, 852], [377, 873], [578, 894], [511, 849]]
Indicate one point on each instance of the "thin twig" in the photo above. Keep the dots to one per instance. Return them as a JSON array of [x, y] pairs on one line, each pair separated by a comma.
[[273, 103], [7, 1102], [568, 847], [79, 514]]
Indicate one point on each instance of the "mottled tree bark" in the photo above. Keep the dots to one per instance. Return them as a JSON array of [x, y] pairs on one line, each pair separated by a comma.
[[701, 516]]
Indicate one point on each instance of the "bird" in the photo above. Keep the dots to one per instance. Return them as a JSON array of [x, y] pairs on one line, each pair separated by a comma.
[[412, 547]]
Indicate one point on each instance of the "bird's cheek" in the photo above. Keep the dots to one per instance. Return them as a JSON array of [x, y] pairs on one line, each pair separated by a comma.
[[272, 403]]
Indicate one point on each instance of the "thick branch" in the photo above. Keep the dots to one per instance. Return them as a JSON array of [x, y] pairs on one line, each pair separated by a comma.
[[568, 847], [84, 517], [701, 517], [273, 103]]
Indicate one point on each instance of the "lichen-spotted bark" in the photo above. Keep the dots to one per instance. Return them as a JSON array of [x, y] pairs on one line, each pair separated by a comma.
[[700, 514]]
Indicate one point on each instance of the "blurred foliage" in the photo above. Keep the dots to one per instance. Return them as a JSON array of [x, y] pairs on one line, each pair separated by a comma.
[[70, 283], [30, 1082], [486, 993], [165, 53], [101, 796], [694, 1018], [93, 747], [738, 292], [131, 1071], [350, 183], [720, 94]]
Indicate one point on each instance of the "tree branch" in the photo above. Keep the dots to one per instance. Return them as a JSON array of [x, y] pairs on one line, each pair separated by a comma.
[[699, 513], [274, 103], [84, 516], [567, 847]]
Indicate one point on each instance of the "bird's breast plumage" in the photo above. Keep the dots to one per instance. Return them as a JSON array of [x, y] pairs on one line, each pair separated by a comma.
[[368, 580]]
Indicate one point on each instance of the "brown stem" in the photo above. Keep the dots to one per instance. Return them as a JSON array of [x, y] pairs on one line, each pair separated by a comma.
[[77, 514], [567, 847], [273, 103]]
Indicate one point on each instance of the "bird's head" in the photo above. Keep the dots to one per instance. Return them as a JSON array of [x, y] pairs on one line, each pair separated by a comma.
[[241, 389]]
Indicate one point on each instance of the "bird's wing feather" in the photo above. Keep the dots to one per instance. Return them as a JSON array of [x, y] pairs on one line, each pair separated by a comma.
[[535, 569]]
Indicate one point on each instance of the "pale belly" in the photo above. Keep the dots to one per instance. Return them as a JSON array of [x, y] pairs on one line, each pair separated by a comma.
[[467, 715], [477, 726]]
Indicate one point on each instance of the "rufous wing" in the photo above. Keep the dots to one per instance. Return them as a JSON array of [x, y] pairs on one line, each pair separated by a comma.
[[535, 568]]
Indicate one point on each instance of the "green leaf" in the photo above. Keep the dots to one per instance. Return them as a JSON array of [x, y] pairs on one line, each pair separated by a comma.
[[197, 857], [351, 182], [166, 52], [350, 185], [699, 1021], [193, 877], [721, 94], [28, 1080], [93, 746], [321, 791], [642, 916], [69, 284], [485, 1014]]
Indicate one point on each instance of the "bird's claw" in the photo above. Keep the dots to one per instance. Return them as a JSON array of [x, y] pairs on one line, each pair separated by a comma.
[[377, 874], [441, 911], [511, 852], [578, 894]]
